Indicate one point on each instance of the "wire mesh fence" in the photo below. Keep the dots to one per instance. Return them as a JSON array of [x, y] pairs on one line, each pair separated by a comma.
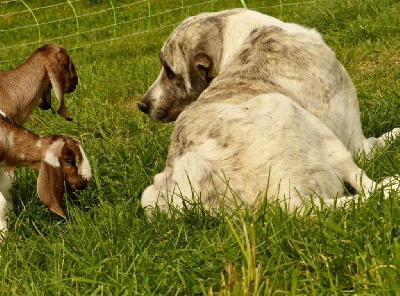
[[76, 24]]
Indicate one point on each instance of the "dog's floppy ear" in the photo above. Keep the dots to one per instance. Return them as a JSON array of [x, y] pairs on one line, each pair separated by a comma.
[[203, 65], [55, 72], [50, 187]]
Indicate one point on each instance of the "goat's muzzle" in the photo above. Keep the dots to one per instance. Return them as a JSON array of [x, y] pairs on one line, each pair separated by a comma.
[[71, 87], [75, 186], [80, 184]]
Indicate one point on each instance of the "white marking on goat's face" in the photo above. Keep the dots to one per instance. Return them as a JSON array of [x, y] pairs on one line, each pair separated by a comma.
[[84, 169], [75, 164], [51, 155], [51, 159]]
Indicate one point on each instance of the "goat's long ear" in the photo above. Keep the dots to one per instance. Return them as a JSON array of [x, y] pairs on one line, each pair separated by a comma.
[[50, 187], [45, 101], [58, 82]]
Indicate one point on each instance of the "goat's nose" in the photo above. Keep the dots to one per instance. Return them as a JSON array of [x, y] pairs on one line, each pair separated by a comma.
[[88, 179], [143, 106]]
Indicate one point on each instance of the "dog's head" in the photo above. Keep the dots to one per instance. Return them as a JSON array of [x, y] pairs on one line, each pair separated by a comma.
[[190, 60]]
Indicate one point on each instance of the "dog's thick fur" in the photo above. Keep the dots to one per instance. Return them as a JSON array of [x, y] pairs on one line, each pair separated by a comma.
[[261, 106]]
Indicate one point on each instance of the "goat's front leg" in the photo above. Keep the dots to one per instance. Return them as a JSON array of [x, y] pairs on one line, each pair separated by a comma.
[[6, 204]]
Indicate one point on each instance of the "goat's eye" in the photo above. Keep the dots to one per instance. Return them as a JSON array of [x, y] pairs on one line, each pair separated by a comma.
[[69, 161], [66, 66], [170, 73]]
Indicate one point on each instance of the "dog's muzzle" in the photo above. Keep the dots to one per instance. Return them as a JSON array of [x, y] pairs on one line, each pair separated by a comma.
[[143, 106]]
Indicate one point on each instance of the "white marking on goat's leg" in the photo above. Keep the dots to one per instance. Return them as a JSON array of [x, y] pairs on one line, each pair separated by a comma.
[[3, 213], [6, 204], [5, 185]]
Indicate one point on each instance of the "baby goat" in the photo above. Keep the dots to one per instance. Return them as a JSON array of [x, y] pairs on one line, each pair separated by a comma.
[[30, 84], [58, 158]]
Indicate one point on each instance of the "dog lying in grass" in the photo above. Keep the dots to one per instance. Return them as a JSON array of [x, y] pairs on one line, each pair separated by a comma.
[[263, 110]]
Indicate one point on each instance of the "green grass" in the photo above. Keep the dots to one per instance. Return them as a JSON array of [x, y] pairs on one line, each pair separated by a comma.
[[108, 246]]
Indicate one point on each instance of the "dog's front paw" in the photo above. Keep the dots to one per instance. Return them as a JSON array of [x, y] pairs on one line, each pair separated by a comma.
[[390, 184]]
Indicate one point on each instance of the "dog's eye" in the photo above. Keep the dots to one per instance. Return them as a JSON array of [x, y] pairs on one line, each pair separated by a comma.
[[170, 73]]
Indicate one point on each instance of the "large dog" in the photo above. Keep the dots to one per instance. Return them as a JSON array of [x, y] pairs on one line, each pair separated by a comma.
[[263, 108]]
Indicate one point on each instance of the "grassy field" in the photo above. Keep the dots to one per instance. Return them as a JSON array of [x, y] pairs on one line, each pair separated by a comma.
[[109, 247]]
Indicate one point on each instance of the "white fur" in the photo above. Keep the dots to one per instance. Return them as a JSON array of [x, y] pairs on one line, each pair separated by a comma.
[[84, 169], [6, 204], [340, 112], [51, 157], [240, 25], [286, 131], [157, 95], [283, 144]]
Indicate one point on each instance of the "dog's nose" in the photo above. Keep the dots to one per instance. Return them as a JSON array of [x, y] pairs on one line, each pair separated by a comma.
[[143, 106]]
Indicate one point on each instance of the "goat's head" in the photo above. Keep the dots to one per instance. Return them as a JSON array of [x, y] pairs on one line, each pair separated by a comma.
[[64, 162], [62, 76]]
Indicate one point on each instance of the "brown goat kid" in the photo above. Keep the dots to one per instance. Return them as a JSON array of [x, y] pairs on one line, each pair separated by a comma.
[[59, 158], [30, 84]]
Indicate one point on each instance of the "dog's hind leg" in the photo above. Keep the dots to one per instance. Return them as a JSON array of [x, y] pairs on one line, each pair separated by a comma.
[[357, 179], [351, 174]]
